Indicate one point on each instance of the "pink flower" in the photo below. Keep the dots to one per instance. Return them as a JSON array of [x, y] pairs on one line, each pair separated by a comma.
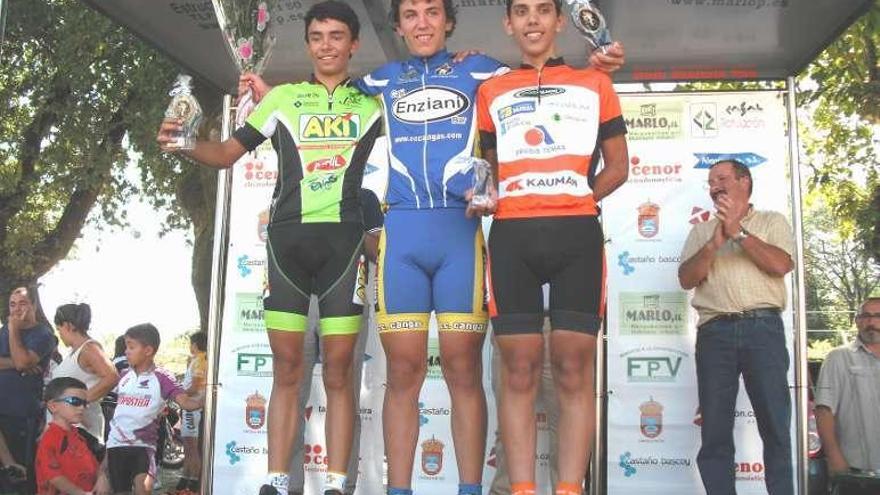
[[245, 49], [262, 16]]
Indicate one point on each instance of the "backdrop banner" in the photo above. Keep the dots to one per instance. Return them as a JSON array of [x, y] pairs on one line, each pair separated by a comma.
[[653, 436]]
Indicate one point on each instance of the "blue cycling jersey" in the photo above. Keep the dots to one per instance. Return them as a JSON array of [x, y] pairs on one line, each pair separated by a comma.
[[429, 106]]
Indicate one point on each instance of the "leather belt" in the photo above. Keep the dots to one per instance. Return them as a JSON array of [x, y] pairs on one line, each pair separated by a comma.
[[744, 315]]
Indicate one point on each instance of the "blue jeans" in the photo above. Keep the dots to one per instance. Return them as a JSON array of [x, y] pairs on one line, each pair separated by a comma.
[[755, 348]]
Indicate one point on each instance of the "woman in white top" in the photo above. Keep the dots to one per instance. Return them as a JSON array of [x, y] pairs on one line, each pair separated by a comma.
[[85, 362]]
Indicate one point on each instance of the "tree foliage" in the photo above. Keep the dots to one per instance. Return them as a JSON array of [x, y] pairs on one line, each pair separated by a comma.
[[841, 92], [82, 97]]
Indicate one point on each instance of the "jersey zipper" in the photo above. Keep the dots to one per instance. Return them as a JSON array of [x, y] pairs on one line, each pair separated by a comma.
[[425, 143]]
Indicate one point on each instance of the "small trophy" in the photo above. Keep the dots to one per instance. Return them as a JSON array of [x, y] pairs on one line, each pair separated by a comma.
[[482, 182], [590, 22], [185, 107]]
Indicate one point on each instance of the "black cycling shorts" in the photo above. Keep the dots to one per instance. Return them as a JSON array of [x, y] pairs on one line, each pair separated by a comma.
[[565, 252], [124, 464], [318, 258]]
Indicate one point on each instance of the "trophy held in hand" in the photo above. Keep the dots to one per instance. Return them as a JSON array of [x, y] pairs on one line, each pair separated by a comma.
[[590, 22], [186, 108]]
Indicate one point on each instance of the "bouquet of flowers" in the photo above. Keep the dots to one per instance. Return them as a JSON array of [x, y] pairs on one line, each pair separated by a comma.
[[245, 25]]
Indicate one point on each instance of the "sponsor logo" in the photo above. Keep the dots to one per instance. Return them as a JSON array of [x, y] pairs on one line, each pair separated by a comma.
[[256, 364], [411, 74], [704, 120], [257, 174], [314, 458], [562, 182], [432, 456], [131, 400], [699, 215], [430, 104], [653, 173], [321, 182], [631, 464], [352, 100], [653, 364], [249, 312], [653, 313], [706, 160], [425, 412], [649, 219], [324, 127], [745, 415], [263, 226], [653, 121], [627, 262], [539, 92], [516, 109], [651, 419], [749, 471], [492, 459], [444, 70], [245, 265], [745, 115], [234, 452], [623, 262], [625, 462], [332, 163], [435, 366], [255, 411], [538, 135]]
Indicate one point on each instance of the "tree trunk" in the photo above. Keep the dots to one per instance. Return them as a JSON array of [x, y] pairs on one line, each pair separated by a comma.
[[196, 193]]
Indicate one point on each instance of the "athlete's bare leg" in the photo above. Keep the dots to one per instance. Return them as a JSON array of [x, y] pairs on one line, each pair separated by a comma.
[[462, 364], [339, 385], [522, 361], [573, 355], [283, 417], [406, 356]]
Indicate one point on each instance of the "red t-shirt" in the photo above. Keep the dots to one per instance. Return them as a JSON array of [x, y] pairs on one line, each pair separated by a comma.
[[64, 453]]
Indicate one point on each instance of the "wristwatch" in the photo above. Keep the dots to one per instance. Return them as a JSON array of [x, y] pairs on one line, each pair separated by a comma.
[[741, 235]]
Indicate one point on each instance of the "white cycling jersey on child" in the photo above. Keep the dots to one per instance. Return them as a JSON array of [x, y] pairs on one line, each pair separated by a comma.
[[141, 400]]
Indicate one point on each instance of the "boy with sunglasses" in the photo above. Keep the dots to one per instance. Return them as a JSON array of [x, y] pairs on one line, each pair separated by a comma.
[[64, 462]]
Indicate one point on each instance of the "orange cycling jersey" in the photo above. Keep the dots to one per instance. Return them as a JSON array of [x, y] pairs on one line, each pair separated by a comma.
[[546, 126]]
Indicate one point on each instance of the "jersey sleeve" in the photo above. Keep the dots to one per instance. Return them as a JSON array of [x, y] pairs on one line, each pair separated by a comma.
[[488, 139], [261, 123], [372, 211], [611, 121], [168, 386], [375, 82], [482, 67]]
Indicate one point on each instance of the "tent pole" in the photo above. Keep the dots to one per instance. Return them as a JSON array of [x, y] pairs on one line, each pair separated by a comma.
[[215, 314], [798, 299]]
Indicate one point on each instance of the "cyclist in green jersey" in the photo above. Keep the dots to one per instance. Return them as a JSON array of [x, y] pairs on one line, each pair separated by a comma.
[[323, 131]]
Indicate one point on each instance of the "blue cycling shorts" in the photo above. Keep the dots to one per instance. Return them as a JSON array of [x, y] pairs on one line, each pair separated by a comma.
[[431, 260]]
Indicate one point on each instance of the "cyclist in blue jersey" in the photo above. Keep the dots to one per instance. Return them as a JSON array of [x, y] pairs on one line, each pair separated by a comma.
[[431, 254]]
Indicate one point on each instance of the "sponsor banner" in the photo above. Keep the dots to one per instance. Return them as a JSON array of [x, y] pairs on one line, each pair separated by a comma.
[[653, 416]]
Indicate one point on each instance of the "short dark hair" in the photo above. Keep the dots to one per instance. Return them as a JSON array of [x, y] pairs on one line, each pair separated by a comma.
[[740, 170], [556, 3], [870, 300], [448, 8], [338, 11], [29, 290], [119, 346], [55, 388], [78, 315], [200, 339], [146, 334]]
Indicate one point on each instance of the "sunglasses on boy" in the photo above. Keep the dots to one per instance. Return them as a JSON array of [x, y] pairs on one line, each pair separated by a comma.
[[72, 401]]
